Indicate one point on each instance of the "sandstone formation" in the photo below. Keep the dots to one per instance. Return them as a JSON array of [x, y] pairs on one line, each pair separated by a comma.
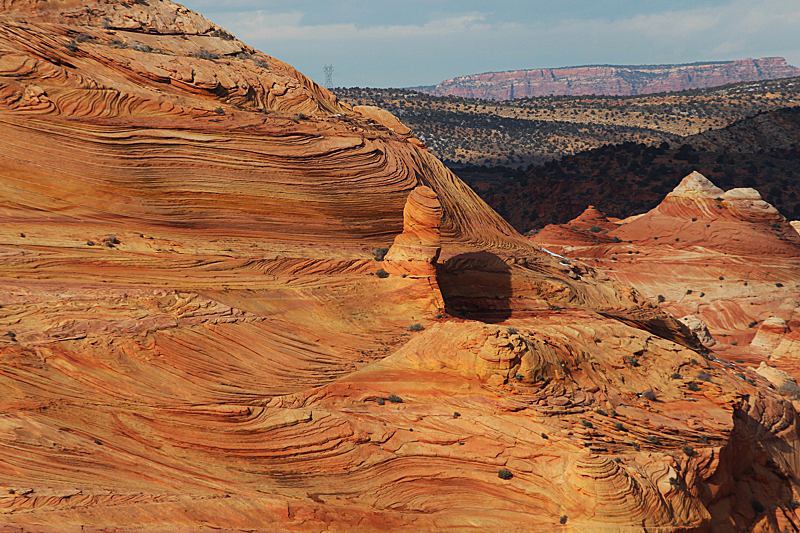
[[195, 336], [416, 250], [699, 328], [698, 213], [769, 335], [724, 259], [610, 79]]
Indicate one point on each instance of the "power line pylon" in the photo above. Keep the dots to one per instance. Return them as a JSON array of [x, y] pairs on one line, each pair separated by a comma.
[[328, 76]]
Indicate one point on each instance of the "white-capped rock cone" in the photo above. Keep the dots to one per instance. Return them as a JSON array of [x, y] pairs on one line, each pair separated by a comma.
[[416, 250]]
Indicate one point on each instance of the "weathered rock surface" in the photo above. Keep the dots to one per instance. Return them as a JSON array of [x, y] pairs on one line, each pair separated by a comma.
[[699, 328], [610, 79], [193, 337], [726, 258], [416, 250], [769, 335]]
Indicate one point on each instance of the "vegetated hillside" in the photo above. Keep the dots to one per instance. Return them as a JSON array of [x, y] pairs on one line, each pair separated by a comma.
[[759, 152], [618, 80], [516, 133]]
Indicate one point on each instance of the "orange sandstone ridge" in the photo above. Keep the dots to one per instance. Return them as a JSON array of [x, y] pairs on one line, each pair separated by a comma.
[[193, 334]]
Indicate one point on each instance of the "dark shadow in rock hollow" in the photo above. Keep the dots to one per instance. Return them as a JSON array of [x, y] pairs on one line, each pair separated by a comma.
[[476, 286]]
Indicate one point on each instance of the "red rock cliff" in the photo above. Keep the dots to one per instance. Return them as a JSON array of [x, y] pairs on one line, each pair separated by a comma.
[[611, 80]]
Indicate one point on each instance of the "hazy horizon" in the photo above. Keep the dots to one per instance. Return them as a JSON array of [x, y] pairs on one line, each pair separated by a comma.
[[390, 44]]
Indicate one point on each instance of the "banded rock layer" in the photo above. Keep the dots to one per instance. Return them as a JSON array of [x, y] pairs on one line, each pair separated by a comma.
[[193, 335], [611, 80]]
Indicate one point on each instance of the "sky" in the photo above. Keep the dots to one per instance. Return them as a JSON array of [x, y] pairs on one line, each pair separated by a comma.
[[406, 43]]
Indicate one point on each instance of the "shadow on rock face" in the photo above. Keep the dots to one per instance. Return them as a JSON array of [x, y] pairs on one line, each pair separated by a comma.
[[476, 286]]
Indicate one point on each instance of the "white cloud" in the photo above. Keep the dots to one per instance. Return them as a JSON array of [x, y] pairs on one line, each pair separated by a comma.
[[429, 47], [262, 25]]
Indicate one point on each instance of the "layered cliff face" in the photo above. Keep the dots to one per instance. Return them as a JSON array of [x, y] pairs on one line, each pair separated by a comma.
[[610, 80], [195, 335]]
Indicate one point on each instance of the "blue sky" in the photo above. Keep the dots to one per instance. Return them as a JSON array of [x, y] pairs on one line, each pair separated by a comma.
[[415, 42]]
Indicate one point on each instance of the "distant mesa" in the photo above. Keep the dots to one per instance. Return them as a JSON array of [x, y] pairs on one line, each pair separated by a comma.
[[611, 80]]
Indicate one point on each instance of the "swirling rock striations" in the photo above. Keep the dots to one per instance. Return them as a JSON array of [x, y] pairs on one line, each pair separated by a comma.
[[611, 80], [193, 334], [416, 250]]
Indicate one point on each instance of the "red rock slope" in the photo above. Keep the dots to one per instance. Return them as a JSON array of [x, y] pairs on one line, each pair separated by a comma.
[[194, 333], [725, 260], [611, 80]]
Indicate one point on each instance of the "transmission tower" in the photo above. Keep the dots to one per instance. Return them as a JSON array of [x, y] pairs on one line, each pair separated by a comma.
[[328, 76]]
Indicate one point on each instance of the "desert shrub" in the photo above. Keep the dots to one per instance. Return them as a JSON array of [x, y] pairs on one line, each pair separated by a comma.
[[204, 54], [618, 426], [139, 47], [587, 424], [790, 388], [635, 446], [381, 401], [674, 481], [688, 450], [505, 473], [394, 398], [456, 415], [693, 386], [649, 394], [416, 327], [631, 360], [563, 519], [595, 229], [379, 253], [511, 331], [652, 439], [222, 34], [703, 376], [72, 46], [703, 439], [676, 376], [602, 412], [381, 273], [661, 299]]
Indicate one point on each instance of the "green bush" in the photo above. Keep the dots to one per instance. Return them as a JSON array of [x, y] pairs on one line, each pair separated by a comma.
[[505, 473], [379, 253]]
